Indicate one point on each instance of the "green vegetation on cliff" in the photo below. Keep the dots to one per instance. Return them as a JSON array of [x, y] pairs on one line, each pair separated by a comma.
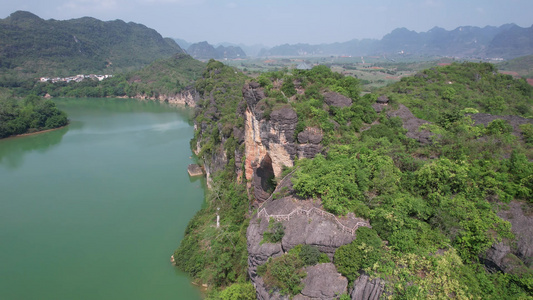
[[426, 199], [29, 115], [327, 100], [433, 206], [218, 256]]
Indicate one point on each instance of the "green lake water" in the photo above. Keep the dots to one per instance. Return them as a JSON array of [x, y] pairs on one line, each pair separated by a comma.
[[96, 209]]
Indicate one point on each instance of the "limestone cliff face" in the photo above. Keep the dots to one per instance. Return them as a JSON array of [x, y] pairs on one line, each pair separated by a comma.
[[186, 97], [270, 142]]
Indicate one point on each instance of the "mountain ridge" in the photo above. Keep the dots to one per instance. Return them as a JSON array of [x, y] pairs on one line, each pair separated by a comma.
[[83, 45], [506, 41], [204, 50]]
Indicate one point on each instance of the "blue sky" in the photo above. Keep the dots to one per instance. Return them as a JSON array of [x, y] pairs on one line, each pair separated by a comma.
[[274, 22]]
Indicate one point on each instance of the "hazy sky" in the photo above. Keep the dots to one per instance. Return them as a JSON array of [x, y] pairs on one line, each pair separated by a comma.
[[274, 22]]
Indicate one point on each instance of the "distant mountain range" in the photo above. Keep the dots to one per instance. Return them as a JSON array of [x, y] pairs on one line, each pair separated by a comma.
[[507, 41], [204, 50], [31, 46], [249, 50], [83, 45]]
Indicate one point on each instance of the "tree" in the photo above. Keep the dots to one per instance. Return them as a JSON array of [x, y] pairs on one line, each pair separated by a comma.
[[361, 253], [238, 291]]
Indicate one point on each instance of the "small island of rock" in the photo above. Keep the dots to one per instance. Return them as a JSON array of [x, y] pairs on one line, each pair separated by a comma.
[[194, 170]]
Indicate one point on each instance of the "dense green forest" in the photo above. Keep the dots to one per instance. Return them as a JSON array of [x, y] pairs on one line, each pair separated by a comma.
[[31, 46], [29, 115], [166, 76], [434, 92], [433, 207]]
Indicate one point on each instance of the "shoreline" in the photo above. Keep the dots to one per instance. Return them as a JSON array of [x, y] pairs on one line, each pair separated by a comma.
[[34, 133]]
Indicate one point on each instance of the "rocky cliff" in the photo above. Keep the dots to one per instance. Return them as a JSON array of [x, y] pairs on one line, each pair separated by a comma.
[[270, 143], [247, 132], [187, 97], [267, 143], [305, 223]]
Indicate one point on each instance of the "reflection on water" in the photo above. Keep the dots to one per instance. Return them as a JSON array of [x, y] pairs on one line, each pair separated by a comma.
[[94, 210], [13, 150]]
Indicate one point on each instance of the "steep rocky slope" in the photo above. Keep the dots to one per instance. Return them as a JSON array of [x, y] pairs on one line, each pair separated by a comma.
[[305, 223], [270, 144], [428, 210]]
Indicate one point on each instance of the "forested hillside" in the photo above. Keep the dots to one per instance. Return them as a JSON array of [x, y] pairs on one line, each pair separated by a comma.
[[523, 66], [437, 92], [165, 77], [446, 191], [32, 47], [29, 115]]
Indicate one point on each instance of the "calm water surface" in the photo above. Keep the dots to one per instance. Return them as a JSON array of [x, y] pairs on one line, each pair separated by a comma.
[[94, 210]]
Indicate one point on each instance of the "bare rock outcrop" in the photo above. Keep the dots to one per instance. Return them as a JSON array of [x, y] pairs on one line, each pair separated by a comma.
[[495, 258], [270, 143], [309, 142], [383, 99], [195, 170], [522, 227], [310, 135], [337, 100], [187, 97], [512, 257], [514, 121], [322, 282], [305, 223], [366, 289], [253, 93], [412, 124]]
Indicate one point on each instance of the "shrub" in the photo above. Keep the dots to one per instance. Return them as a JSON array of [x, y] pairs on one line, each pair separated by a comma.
[[238, 291], [288, 87], [309, 254], [499, 126], [527, 133], [274, 233], [284, 273], [361, 253]]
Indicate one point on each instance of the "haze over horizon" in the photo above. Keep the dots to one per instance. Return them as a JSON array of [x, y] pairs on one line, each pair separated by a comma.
[[278, 22]]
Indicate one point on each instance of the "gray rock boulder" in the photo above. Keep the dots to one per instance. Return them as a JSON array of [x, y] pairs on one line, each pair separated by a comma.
[[366, 289], [518, 257], [514, 121], [323, 282], [258, 253], [412, 124], [337, 100], [305, 223], [284, 120], [310, 135]]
